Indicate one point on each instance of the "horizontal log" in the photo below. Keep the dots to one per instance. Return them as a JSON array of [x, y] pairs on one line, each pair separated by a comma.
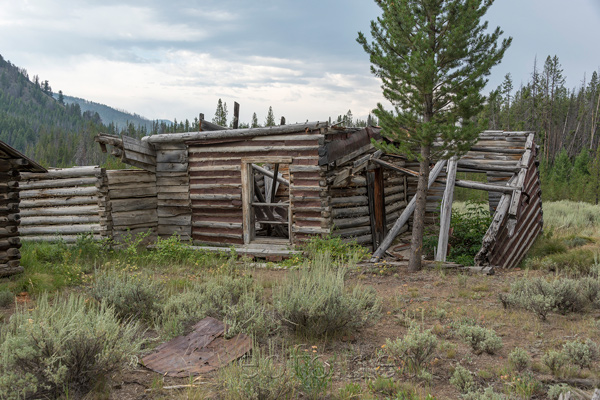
[[481, 186], [343, 223], [128, 204], [129, 176], [59, 229], [55, 238], [148, 191], [62, 173], [352, 232], [171, 167], [349, 201], [59, 220], [135, 217], [504, 150], [487, 166], [225, 225], [393, 167], [8, 230], [57, 183], [8, 270], [185, 196], [12, 242], [179, 189], [215, 196], [348, 212], [172, 156], [63, 192], [233, 133], [178, 180]]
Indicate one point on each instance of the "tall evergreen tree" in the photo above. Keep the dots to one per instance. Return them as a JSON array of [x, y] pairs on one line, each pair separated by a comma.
[[254, 121], [220, 114], [270, 121], [432, 57]]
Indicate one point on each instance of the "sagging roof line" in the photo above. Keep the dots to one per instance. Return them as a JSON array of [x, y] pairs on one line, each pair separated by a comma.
[[232, 133]]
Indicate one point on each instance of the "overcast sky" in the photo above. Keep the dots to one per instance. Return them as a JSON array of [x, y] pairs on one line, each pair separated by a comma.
[[175, 59]]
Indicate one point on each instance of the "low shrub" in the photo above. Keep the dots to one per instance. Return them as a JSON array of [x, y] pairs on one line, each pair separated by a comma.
[[582, 354], [252, 316], [258, 378], [6, 298], [554, 360], [315, 300], [70, 346], [462, 379], [131, 295], [561, 295], [481, 339], [209, 299], [575, 262], [487, 394], [416, 348], [519, 359], [555, 391]]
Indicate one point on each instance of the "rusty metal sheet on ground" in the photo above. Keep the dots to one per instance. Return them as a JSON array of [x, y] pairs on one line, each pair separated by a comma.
[[203, 350]]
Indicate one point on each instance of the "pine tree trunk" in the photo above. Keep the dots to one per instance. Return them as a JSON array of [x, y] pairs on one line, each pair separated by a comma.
[[416, 244]]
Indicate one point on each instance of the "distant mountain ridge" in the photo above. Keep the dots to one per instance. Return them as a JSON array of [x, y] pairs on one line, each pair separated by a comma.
[[120, 118]]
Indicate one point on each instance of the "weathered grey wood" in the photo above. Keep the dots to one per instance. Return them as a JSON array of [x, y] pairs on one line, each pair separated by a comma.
[[8, 270], [343, 223], [229, 133], [446, 210], [120, 205], [54, 238], [481, 186], [59, 220], [123, 177], [58, 211], [182, 189], [353, 232], [140, 191], [79, 200], [57, 183], [173, 196], [74, 172], [59, 229], [270, 174], [348, 212], [171, 167], [176, 180], [135, 145], [135, 217], [62, 192], [137, 158], [487, 167], [172, 156], [389, 238], [349, 201], [396, 168]]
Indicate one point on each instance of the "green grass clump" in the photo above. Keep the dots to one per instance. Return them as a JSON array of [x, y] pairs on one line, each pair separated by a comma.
[[338, 250], [132, 295], [570, 217], [71, 346], [315, 300], [257, 378]]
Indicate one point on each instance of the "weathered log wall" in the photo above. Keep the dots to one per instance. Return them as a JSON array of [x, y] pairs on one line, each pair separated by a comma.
[[9, 218], [215, 184], [132, 205], [173, 191], [64, 203]]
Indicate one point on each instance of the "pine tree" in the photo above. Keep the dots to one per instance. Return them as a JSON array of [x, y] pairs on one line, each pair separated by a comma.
[[507, 87], [254, 121], [220, 114], [270, 121], [432, 57], [61, 98]]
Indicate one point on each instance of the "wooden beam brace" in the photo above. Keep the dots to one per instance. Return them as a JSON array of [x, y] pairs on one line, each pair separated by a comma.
[[403, 219], [396, 168], [270, 174]]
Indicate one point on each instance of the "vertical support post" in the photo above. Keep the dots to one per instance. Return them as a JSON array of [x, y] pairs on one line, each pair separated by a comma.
[[446, 210], [236, 114], [376, 205], [247, 198], [200, 122], [282, 121]]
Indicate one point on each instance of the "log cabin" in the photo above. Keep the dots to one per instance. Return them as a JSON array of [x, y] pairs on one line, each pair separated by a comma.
[[266, 190]]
